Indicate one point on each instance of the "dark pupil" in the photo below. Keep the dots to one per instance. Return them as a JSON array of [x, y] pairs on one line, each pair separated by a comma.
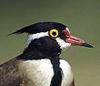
[[54, 33]]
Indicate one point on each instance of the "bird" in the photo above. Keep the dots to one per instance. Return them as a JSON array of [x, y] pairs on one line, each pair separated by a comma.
[[40, 63]]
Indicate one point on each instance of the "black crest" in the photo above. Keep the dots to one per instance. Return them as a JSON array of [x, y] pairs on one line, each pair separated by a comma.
[[40, 27]]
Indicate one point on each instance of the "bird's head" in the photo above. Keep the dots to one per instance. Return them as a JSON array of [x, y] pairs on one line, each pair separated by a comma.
[[51, 34], [53, 30]]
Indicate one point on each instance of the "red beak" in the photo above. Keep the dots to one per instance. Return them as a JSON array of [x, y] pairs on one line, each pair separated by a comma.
[[75, 40]]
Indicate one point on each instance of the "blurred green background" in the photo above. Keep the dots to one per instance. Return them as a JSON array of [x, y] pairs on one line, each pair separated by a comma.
[[82, 17]]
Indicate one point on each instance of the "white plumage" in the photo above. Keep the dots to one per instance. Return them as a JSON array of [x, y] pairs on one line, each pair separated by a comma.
[[40, 72]]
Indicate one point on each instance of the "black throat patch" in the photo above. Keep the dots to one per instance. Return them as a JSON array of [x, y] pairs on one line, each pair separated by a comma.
[[41, 48]]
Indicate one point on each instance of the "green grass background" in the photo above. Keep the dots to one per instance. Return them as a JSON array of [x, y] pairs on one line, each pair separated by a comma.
[[82, 17]]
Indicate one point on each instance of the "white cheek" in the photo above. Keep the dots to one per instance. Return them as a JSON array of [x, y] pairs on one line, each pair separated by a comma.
[[62, 43]]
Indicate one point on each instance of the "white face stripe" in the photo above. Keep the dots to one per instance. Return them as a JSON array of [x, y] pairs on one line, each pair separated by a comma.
[[62, 43], [36, 36]]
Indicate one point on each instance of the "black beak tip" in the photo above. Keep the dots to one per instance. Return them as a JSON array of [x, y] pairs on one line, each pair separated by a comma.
[[87, 45]]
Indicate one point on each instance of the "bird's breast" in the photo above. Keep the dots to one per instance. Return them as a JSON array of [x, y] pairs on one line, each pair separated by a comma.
[[40, 72]]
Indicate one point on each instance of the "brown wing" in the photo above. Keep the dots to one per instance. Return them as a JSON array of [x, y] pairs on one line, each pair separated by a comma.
[[8, 74]]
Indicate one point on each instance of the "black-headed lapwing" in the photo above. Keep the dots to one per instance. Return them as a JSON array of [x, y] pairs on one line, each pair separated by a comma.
[[40, 64]]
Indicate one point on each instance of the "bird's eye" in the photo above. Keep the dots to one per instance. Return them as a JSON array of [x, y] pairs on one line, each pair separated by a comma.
[[54, 33]]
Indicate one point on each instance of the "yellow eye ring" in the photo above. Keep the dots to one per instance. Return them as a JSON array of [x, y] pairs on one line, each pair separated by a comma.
[[53, 33]]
